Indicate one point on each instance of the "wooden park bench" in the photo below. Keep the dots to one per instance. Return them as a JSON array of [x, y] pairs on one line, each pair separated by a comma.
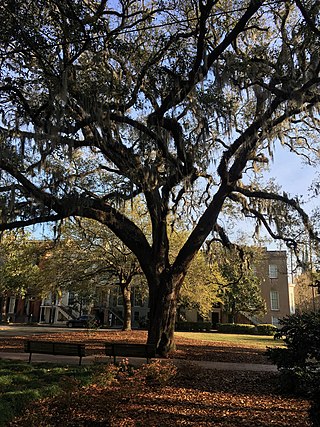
[[130, 350], [55, 348]]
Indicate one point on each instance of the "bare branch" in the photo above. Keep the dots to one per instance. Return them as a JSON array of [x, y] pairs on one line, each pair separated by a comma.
[[259, 194]]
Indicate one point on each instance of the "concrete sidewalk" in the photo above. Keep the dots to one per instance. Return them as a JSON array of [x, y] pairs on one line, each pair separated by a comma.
[[72, 360]]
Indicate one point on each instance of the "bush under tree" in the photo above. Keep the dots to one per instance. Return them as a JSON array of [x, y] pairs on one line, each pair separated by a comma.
[[299, 361]]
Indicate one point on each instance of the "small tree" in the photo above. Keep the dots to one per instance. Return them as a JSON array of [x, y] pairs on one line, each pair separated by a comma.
[[200, 288], [242, 292], [19, 270], [90, 257], [304, 293]]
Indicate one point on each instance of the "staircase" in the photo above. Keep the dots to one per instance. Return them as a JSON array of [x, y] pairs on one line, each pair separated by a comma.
[[67, 312], [115, 315], [253, 319]]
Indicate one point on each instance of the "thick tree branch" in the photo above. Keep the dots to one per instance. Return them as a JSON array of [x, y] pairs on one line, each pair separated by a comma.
[[259, 194], [305, 13], [195, 76], [27, 222]]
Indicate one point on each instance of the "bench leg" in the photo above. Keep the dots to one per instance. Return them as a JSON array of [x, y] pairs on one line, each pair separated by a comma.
[[80, 358], [30, 357]]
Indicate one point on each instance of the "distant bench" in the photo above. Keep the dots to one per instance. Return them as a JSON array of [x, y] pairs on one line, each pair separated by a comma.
[[147, 351], [55, 348]]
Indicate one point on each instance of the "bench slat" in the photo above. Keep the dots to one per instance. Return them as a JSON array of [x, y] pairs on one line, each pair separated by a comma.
[[129, 350], [55, 348], [39, 347], [69, 349]]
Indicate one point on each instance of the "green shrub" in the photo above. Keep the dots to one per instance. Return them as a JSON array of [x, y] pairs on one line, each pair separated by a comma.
[[299, 362], [282, 357], [266, 329], [302, 340], [236, 328], [193, 326], [300, 381]]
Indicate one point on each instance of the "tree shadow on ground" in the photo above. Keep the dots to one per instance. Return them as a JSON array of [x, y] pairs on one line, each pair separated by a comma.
[[133, 403], [220, 353]]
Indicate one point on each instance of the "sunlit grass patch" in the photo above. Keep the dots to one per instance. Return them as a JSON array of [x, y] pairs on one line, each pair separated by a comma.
[[21, 383], [257, 341]]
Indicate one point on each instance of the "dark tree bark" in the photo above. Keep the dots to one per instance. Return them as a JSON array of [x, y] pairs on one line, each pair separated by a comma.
[[163, 295]]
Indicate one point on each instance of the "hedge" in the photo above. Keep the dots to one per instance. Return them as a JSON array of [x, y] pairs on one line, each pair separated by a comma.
[[236, 328], [193, 326], [227, 328], [266, 329]]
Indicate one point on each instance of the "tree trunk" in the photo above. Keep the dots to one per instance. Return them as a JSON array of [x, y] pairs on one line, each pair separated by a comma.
[[126, 294], [163, 296]]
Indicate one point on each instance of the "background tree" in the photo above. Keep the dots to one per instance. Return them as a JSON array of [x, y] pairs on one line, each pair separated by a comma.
[[102, 102], [200, 289], [89, 258], [304, 294], [242, 292], [201, 285], [63, 268], [19, 269]]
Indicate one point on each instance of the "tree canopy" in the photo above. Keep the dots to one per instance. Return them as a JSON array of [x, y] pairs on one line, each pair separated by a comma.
[[88, 259], [200, 289], [203, 280], [19, 259], [242, 291], [182, 103]]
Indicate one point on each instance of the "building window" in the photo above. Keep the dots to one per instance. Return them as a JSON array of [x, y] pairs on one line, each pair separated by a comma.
[[137, 298], [136, 316], [71, 298], [291, 300], [119, 299], [12, 303], [274, 300], [275, 321], [273, 271]]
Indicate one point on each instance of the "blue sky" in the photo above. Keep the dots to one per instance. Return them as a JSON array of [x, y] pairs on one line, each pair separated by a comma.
[[287, 169], [294, 176]]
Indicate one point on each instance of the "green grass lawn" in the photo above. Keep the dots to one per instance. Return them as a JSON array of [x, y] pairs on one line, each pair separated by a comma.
[[21, 383], [258, 341]]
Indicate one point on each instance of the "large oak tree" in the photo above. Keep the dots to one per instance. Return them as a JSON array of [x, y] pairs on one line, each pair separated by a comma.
[[104, 101]]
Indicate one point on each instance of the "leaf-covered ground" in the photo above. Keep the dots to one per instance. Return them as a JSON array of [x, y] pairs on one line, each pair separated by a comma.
[[194, 396]]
